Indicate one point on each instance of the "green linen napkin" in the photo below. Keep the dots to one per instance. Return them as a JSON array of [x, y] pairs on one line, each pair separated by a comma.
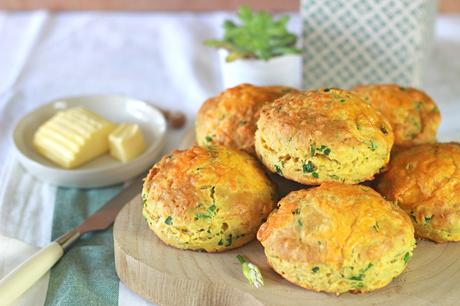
[[86, 274]]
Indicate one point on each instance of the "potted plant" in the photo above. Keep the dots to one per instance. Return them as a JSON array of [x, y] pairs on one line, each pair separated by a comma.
[[260, 51]]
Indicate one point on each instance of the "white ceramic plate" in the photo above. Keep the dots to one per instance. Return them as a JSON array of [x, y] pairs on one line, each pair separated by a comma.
[[104, 170]]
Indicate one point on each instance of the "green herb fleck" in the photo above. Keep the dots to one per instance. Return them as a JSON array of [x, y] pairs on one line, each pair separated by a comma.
[[202, 216], [324, 149], [208, 138], [308, 167], [315, 269], [362, 274], [296, 211], [168, 220], [327, 89], [333, 176], [359, 285], [251, 272], [312, 150], [299, 222], [212, 209], [315, 175], [406, 257], [418, 105], [383, 129], [221, 242], [373, 146], [229, 240], [376, 227], [370, 265], [357, 277], [278, 170], [428, 219], [342, 100]]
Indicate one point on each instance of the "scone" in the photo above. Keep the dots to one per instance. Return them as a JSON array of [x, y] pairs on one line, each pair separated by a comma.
[[425, 182], [325, 135], [413, 115], [337, 238], [212, 199], [230, 118]]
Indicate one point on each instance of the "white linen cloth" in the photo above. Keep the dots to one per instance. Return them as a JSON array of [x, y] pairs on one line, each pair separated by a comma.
[[14, 252], [158, 57]]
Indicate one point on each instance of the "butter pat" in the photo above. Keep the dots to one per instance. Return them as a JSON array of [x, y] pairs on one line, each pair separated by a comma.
[[126, 142], [73, 137]]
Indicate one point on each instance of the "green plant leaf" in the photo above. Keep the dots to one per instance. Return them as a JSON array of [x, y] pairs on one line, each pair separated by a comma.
[[257, 36]]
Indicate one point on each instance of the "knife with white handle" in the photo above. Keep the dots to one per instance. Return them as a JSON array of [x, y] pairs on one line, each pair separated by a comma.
[[15, 283]]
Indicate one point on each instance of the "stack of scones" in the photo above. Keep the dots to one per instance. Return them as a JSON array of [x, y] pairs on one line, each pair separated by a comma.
[[339, 236]]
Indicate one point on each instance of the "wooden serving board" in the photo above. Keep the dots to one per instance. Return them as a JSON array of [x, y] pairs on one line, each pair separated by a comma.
[[168, 276]]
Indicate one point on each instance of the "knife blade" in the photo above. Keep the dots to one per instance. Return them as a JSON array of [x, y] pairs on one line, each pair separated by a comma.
[[15, 283], [106, 215]]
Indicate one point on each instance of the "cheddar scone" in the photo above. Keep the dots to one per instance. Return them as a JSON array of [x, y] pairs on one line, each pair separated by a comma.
[[413, 115], [425, 182], [325, 135], [230, 118], [337, 238], [207, 198]]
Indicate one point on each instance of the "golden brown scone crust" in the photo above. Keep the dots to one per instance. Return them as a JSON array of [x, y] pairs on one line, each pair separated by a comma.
[[337, 238], [210, 199], [413, 115], [425, 182], [324, 135], [229, 119]]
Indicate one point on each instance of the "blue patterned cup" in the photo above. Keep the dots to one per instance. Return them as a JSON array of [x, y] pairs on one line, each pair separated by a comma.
[[349, 42]]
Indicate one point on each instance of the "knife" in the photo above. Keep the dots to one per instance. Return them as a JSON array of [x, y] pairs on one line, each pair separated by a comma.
[[15, 283]]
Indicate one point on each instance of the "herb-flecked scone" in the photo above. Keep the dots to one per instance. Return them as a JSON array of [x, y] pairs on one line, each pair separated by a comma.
[[212, 199], [337, 238], [413, 115], [325, 135], [230, 118], [425, 182]]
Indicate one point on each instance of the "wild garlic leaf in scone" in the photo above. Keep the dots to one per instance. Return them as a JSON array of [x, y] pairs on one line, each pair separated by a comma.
[[207, 198], [337, 238], [325, 135]]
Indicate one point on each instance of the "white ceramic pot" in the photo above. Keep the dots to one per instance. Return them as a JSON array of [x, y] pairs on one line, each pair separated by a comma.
[[281, 70]]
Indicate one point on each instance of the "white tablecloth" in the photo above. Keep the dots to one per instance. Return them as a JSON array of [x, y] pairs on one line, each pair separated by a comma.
[[154, 56]]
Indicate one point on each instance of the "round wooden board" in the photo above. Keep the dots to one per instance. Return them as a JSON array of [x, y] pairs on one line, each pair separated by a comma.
[[168, 276]]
